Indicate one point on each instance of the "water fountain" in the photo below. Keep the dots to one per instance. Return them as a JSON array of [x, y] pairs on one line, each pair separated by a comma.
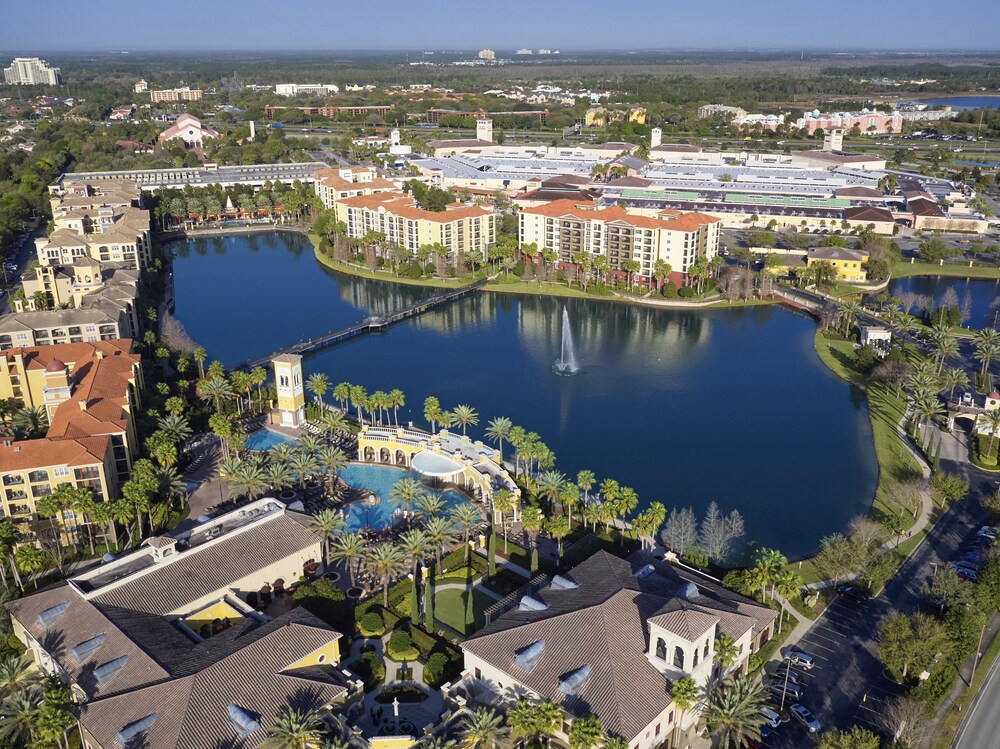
[[566, 364]]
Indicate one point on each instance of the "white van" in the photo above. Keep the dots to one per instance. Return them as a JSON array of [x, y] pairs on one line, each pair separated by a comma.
[[770, 717]]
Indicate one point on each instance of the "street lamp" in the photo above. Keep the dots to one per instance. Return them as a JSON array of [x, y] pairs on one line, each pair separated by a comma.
[[784, 689]]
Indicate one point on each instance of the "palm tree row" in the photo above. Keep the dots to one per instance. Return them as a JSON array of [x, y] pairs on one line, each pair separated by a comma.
[[33, 711]]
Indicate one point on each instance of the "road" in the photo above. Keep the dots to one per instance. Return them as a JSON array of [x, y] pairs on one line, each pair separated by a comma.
[[25, 254], [981, 726], [847, 686]]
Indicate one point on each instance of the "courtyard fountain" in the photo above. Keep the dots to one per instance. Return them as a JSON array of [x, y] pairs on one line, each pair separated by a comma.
[[566, 365]]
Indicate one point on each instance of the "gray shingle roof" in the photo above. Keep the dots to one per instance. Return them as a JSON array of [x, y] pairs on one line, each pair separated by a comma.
[[603, 624]]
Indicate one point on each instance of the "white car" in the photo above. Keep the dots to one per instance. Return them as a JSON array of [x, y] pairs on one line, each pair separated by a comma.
[[803, 716], [770, 717]]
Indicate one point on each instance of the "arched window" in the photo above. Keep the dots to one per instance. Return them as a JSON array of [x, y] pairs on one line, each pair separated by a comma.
[[695, 664], [679, 658], [661, 649]]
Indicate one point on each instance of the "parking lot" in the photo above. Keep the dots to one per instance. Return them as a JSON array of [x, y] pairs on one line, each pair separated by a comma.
[[842, 644]]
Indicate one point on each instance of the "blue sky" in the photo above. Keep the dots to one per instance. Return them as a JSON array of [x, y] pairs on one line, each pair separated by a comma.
[[44, 26]]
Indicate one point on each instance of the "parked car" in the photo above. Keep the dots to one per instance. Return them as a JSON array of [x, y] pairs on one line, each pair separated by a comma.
[[854, 593], [791, 691], [803, 716], [770, 717], [799, 658], [794, 677], [964, 567]]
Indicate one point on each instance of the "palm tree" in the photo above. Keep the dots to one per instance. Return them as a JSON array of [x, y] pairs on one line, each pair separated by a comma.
[[429, 506], [348, 549], [342, 394], [30, 422], [954, 377], [992, 422], [17, 673], [484, 729], [199, 356], [504, 502], [278, 476], [217, 390], [169, 483], [333, 423], [332, 460], [281, 452], [771, 562], [465, 515], [944, 347], [585, 480], [386, 560], [548, 486], [406, 493], [123, 513], [308, 444], [415, 545], [924, 409], [732, 712], [303, 464], [569, 497], [318, 383], [325, 524], [528, 720], [987, 343], [465, 416], [685, 694], [176, 427], [440, 533], [847, 315], [18, 714], [532, 521], [295, 729], [396, 400], [558, 527], [497, 431], [726, 651], [29, 561]]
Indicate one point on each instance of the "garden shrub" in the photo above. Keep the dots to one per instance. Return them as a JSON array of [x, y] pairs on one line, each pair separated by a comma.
[[371, 625], [434, 669], [399, 640], [326, 601], [669, 291], [371, 670], [686, 292]]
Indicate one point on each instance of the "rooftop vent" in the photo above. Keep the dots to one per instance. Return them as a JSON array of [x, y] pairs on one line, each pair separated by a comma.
[[531, 604], [129, 735], [689, 591], [47, 617], [243, 721], [106, 671], [527, 657], [561, 582], [645, 571], [573, 682], [85, 648]]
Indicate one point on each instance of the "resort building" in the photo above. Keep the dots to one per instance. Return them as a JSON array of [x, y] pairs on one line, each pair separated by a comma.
[[849, 264], [571, 229], [31, 71], [306, 89], [90, 395], [710, 110], [176, 94], [189, 130], [442, 457], [867, 121], [459, 228], [600, 116], [609, 638], [141, 86], [173, 645], [253, 175], [379, 111], [336, 183], [763, 121]]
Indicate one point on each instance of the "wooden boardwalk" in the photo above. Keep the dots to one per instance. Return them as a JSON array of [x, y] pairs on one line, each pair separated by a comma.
[[369, 324]]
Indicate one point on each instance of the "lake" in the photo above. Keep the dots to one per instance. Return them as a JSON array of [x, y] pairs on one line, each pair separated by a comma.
[[960, 103], [685, 406], [984, 295]]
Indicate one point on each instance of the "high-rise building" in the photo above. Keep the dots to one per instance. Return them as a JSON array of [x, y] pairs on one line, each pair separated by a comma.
[[487, 54], [31, 71]]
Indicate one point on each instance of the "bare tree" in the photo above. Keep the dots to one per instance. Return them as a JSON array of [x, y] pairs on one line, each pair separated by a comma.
[[866, 532], [907, 301], [892, 375], [949, 299], [680, 532], [906, 720], [175, 336], [966, 309], [993, 313], [908, 495], [765, 285], [718, 532]]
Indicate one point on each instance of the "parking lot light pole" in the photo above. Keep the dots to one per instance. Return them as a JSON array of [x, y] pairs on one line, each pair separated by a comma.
[[784, 689]]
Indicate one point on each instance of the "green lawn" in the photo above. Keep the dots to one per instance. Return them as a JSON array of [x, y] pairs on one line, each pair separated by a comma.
[[885, 410], [902, 270], [451, 607]]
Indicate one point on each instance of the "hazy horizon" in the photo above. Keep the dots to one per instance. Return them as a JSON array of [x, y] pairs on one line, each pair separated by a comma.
[[401, 26]]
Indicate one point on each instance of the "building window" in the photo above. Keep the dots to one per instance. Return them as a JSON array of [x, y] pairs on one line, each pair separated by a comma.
[[679, 657], [661, 649], [656, 732], [695, 664], [705, 654]]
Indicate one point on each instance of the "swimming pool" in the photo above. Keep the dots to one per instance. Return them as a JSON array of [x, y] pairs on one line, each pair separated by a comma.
[[380, 480], [265, 439]]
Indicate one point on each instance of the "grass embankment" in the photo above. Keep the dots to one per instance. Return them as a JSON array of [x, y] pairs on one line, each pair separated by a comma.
[[902, 270], [885, 409], [946, 729]]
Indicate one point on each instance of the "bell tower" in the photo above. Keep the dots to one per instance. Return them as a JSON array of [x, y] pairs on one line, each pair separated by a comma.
[[290, 389]]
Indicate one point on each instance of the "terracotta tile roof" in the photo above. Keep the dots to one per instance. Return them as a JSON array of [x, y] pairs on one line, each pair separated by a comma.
[[405, 206], [187, 120], [103, 383], [331, 178], [857, 191], [589, 211], [24, 455], [867, 213]]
